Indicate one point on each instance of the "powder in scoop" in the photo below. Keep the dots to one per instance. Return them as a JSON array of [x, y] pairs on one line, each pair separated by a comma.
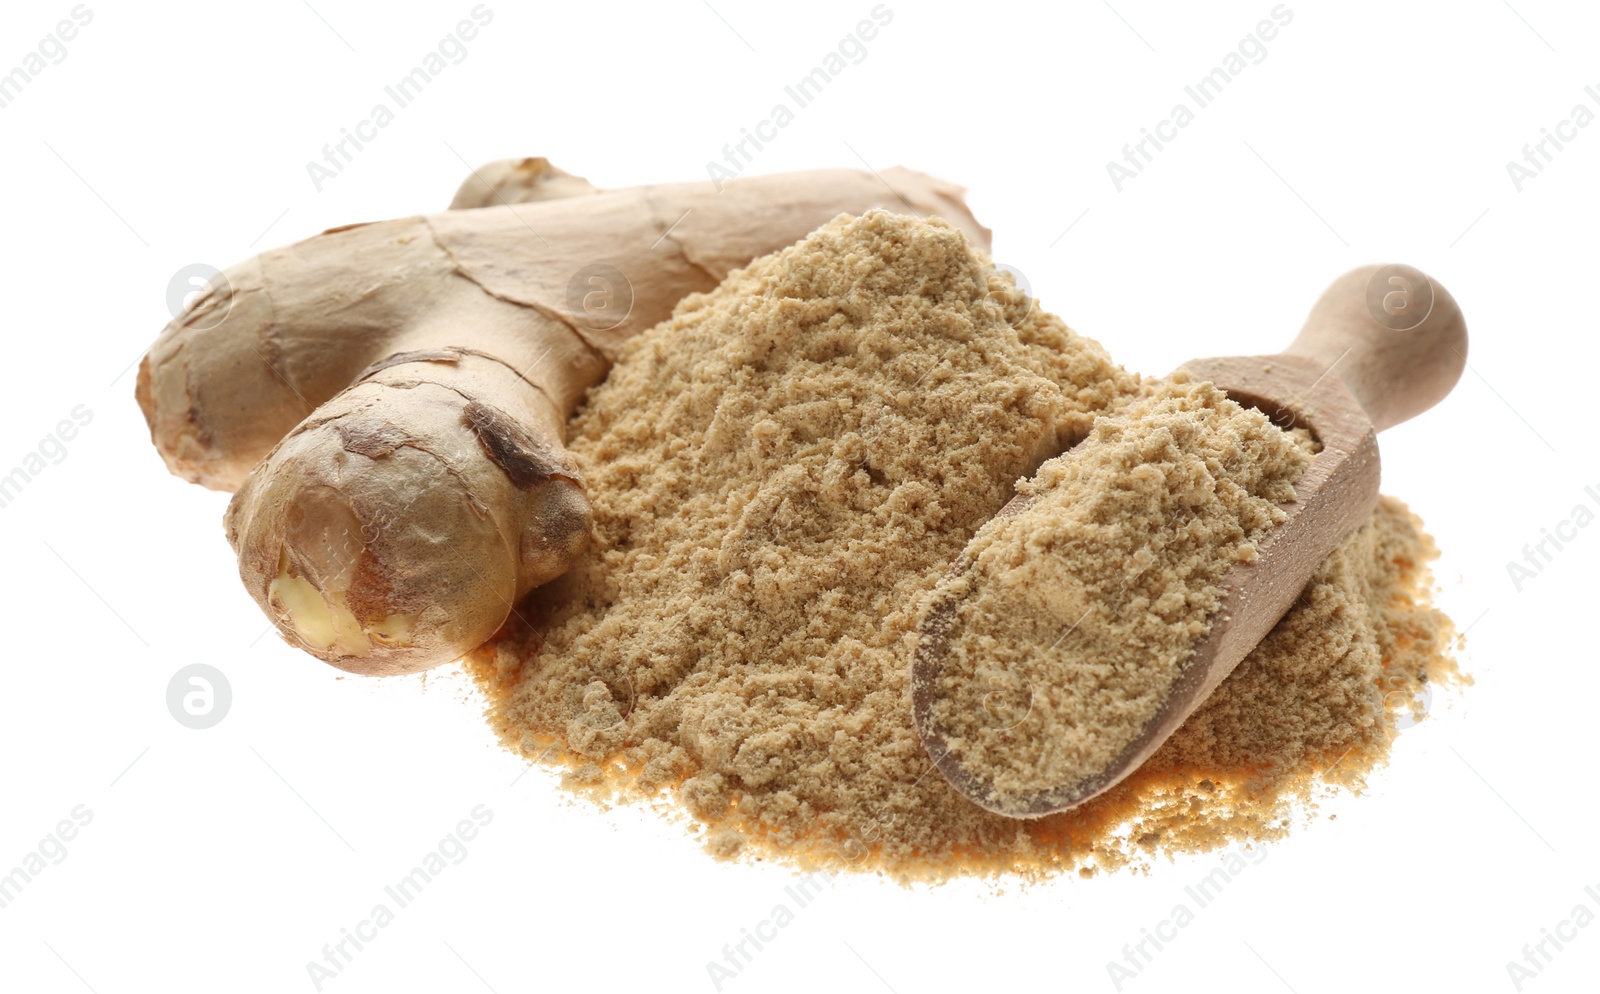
[[779, 473], [1070, 621]]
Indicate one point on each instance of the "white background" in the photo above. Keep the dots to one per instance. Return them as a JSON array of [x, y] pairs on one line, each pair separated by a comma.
[[223, 860]]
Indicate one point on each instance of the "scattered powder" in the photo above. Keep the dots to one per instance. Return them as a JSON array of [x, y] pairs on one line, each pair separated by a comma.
[[1078, 614], [782, 471]]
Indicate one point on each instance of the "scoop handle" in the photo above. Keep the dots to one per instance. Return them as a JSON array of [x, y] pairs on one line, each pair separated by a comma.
[[1394, 336]]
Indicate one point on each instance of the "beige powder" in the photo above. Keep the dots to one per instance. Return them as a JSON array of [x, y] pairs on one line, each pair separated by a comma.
[[779, 473], [1078, 615]]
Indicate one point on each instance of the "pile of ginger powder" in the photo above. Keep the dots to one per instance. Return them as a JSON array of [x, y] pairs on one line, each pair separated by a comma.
[[781, 474]]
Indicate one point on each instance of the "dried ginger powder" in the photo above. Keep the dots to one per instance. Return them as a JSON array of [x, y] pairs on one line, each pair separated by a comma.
[[1077, 615], [782, 472]]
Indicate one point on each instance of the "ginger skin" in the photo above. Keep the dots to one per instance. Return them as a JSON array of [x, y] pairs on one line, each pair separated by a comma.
[[389, 400]]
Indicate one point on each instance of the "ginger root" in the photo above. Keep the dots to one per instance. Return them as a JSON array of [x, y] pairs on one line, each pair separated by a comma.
[[388, 400]]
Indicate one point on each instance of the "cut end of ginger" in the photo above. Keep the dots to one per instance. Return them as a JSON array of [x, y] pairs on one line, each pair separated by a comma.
[[323, 623]]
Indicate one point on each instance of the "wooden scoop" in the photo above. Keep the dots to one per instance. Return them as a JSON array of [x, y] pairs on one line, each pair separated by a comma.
[[1383, 344]]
